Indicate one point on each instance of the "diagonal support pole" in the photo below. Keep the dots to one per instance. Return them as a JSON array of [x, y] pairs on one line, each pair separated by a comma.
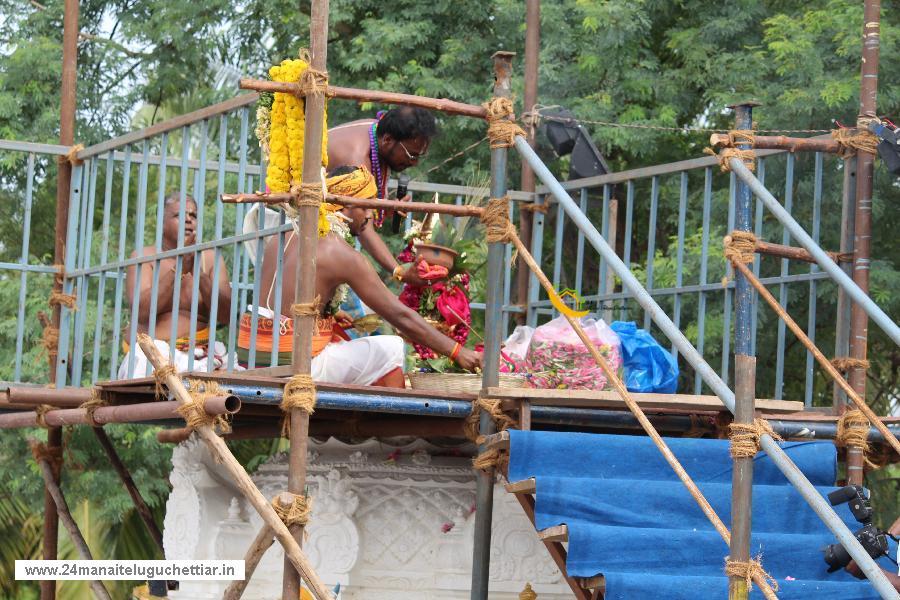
[[224, 457], [131, 486], [709, 376], [62, 509], [837, 274], [263, 541]]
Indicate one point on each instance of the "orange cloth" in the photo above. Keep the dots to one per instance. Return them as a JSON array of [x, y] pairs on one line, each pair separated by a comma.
[[326, 332]]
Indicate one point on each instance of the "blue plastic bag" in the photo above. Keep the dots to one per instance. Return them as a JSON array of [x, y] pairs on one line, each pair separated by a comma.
[[648, 367]]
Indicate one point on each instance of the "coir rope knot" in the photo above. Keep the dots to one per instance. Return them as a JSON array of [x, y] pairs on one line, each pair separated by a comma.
[[745, 437], [502, 130], [295, 512], [740, 246], [492, 458], [748, 570]]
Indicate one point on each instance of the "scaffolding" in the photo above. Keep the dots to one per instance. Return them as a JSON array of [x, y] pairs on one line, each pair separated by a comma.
[[82, 392]]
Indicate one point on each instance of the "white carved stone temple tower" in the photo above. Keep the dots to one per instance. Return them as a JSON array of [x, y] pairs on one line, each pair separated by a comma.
[[388, 522]]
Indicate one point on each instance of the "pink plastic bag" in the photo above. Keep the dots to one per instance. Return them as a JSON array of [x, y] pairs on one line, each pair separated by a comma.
[[515, 348], [557, 358]]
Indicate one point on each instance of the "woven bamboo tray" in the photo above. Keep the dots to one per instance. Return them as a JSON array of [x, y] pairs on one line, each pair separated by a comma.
[[460, 383]]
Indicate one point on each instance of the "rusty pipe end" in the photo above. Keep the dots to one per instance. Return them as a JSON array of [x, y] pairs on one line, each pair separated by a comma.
[[226, 404]]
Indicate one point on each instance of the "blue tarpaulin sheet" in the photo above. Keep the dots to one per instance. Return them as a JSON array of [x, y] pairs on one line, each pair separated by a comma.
[[631, 519]]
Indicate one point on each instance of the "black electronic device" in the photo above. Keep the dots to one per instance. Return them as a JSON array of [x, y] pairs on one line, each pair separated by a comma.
[[402, 185], [567, 136], [871, 538], [888, 144]]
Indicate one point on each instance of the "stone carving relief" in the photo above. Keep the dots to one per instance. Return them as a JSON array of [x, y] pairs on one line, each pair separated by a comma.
[[388, 521]]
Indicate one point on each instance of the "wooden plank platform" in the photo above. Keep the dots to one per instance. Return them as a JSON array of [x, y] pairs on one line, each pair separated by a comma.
[[557, 533], [526, 486], [611, 399]]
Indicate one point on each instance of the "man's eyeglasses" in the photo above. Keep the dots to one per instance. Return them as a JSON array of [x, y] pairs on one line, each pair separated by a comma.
[[412, 157]]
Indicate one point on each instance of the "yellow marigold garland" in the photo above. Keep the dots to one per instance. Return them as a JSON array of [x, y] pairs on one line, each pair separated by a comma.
[[287, 128]]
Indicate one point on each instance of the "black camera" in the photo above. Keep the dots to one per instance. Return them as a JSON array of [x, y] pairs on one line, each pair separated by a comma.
[[871, 538], [888, 144]]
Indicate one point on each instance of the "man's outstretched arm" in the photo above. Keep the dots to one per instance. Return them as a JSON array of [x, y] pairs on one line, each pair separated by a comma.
[[360, 276]]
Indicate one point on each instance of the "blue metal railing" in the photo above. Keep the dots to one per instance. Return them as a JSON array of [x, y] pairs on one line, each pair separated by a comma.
[[117, 208]]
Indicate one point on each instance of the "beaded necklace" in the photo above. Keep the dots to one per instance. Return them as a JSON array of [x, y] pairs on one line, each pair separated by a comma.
[[380, 174]]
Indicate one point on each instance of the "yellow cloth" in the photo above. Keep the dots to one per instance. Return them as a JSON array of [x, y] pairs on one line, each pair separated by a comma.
[[358, 184], [201, 338]]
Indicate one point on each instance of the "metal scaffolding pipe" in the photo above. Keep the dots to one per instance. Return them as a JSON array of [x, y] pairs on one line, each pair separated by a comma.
[[125, 413], [66, 397], [450, 107], [829, 266], [549, 415], [709, 376]]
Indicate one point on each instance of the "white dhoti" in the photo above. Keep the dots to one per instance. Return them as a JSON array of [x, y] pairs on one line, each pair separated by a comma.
[[362, 361], [202, 359]]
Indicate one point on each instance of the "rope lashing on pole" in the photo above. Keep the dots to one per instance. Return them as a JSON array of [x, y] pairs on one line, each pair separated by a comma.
[[534, 207], [295, 512], [90, 406], [307, 194], [845, 364], [856, 138], [40, 412], [306, 309], [71, 156], [752, 570], [60, 299], [492, 458], [502, 128], [746, 156], [313, 82], [502, 227], [745, 437], [50, 334], [194, 412], [853, 431], [811, 346], [300, 393], [160, 376], [53, 455]]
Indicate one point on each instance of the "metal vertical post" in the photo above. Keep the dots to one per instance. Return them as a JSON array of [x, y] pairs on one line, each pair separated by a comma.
[[484, 494], [865, 162], [744, 379], [842, 324], [63, 184], [305, 291], [532, 56]]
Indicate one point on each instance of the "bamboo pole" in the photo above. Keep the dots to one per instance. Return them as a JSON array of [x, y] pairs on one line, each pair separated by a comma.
[[443, 105], [862, 238], [641, 417], [461, 210], [62, 509], [794, 253], [138, 500], [305, 287], [860, 403], [263, 541], [224, 457], [67, 105], [126, 413]]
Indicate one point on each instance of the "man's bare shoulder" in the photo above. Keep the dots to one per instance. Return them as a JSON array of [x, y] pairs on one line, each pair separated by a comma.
[[338, 257], [357, 124]]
